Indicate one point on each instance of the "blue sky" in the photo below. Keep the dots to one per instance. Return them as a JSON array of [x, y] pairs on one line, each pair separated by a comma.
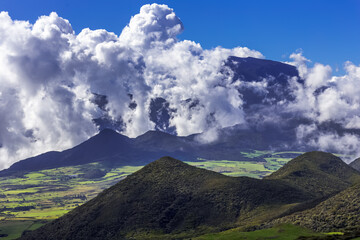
[[326, 31]]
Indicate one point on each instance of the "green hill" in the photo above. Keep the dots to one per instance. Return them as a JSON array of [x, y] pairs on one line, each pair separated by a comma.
[[171, 197], [317, 173]]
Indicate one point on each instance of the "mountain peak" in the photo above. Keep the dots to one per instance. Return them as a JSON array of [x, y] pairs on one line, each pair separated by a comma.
[[154, 134], [168, 161], [322, 161], [320, 157], [107, 131], [256, 68], [171, 168], [109, 134], [106, 137], [318, 173]]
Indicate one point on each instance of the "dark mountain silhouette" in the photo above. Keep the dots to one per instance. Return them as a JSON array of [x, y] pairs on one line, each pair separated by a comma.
[[114, 149], [158, 141], [170, 197], [256, 70], [105, 146], [317, 173]]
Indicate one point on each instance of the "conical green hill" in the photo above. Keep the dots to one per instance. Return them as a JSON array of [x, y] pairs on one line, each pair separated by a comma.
[[318, 173]]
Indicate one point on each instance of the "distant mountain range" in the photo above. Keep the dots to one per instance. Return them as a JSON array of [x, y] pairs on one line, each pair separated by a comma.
[[168, 199], [114, 149]]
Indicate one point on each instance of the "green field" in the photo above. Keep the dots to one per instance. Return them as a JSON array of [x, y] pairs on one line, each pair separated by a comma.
[[282, 232], [265, 162], [13, 229], [28, 198], [49, 194], [232, 168]]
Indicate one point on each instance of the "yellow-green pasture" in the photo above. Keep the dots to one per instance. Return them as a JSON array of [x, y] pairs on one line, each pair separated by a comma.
[[263, 164], [49, 194]]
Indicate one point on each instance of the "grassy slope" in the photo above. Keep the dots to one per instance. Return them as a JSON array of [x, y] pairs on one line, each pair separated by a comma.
[[338, 213]]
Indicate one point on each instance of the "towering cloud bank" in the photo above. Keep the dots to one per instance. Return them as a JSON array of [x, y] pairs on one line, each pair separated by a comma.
[[49, 77], [57, 87]]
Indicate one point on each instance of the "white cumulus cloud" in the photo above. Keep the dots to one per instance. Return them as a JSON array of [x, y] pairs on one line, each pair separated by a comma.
[[49, 75]]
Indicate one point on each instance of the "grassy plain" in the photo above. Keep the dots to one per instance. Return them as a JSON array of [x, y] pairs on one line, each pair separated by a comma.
[[48, 194], [263, 164]]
